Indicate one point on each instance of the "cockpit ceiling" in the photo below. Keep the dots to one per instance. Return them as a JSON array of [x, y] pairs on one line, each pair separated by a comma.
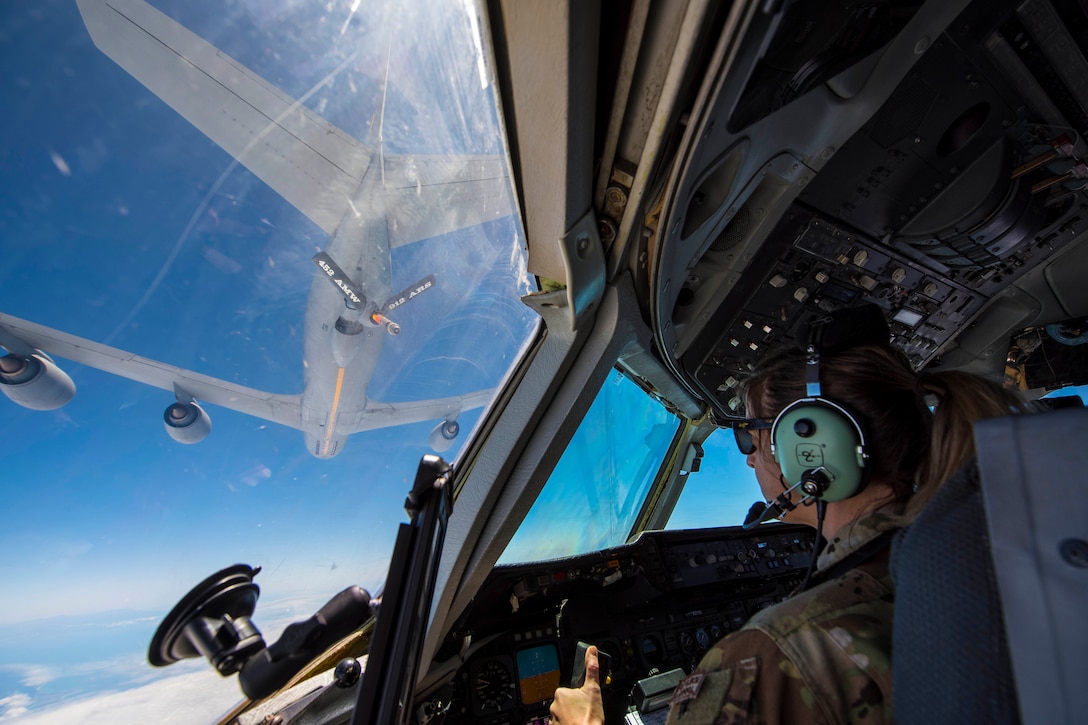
[[958, 198]]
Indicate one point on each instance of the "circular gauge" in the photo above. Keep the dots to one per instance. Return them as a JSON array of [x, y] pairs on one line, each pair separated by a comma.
[[494, 687]]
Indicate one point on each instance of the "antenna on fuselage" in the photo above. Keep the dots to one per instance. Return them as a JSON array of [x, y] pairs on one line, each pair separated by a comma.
[[369, 312], [381, 113]]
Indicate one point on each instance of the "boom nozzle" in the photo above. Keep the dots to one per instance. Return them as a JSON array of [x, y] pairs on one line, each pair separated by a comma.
[[391, 327]]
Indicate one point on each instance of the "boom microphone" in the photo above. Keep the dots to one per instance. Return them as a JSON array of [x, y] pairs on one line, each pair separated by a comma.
[[763, 511], [755, 512]]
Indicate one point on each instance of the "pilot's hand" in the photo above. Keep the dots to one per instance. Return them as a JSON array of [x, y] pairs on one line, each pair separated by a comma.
[[584, 705]]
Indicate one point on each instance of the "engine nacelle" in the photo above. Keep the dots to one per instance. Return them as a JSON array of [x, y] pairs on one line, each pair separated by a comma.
[[443, 434], [35, 382], [187, 422]]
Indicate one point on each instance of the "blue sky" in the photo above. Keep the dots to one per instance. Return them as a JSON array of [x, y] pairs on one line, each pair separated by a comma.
[[123, 224], [596, 491]]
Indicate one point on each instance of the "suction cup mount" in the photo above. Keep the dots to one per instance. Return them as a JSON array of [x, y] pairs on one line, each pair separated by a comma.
[[212, 620]]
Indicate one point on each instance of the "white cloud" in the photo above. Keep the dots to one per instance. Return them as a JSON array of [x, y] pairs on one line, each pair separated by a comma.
[[32, 675], [194, 697], [257, 474], [60, 163], [122, 672], [131, 622], [106, 584], [125, 670], [13, 705], [195, 694]]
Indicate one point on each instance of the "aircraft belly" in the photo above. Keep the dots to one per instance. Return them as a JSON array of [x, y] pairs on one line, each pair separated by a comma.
[[361, 243], [334, 399]]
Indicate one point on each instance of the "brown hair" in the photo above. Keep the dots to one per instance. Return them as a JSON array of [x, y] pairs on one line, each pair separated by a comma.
[[962, 400], [910, 448]]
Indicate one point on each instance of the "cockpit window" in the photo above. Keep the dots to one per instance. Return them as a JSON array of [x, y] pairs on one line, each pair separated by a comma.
[[293, 218], [721, 492], [597, 489]]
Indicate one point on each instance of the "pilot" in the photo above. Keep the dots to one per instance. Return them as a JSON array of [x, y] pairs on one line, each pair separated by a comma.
[[824, 654]]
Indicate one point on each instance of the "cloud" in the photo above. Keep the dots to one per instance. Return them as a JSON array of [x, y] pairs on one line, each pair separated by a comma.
[[32, 675], [258, 473], [121, 672], [13, 705], [194, 697], [60, 163], [125, 670], [131, 622]]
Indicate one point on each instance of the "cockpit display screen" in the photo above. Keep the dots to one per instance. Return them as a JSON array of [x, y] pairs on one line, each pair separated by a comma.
[[538, 673]]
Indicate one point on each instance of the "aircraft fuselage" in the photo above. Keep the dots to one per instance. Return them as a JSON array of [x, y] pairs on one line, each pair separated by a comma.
[[340, 359]]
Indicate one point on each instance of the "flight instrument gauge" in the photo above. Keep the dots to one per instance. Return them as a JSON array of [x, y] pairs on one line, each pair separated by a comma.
[[493, 686]]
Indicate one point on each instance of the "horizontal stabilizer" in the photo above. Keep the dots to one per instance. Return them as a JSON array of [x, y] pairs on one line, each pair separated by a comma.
[[382, 415], [427, 196]]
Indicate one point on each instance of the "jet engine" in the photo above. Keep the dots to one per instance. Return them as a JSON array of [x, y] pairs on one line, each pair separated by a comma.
[[35, 382], [443, 434], [187, 422]]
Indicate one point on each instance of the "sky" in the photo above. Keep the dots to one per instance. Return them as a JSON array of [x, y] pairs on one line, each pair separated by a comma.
[[123, 224], [596, 491]]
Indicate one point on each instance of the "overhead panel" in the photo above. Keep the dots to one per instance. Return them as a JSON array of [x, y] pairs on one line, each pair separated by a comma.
[[953, 192]]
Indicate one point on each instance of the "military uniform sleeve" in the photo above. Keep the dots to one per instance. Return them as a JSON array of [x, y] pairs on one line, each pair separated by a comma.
[[823, 656], [745, 678]]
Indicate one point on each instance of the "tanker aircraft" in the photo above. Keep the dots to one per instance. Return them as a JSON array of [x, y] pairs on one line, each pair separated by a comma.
[[368, 202]]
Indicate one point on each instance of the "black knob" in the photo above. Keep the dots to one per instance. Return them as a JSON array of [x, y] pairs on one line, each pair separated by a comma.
[[804, 427], [347, 672]]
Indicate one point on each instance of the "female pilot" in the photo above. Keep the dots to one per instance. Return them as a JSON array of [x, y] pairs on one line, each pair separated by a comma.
[[824, 655]]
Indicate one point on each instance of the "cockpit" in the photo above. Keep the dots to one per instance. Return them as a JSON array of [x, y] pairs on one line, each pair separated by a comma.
[[512, 260]]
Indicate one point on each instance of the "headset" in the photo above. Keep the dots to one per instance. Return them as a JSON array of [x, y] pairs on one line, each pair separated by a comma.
[[819, 444]]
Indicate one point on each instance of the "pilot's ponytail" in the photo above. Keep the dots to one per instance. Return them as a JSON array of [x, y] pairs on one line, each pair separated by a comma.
[[960, 400]]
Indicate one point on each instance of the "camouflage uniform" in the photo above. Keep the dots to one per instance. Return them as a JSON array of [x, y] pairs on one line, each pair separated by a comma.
[[822, 656]]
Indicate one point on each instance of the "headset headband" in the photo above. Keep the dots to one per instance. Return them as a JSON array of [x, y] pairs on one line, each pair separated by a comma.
[[818, 442], [812, 372]]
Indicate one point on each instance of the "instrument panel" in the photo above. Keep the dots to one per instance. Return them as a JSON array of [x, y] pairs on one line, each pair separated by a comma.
[[654, 605]]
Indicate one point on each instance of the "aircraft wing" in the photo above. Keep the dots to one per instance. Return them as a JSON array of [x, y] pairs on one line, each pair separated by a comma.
[[426, 196], [22, 337], [383, 415], [312, 164]]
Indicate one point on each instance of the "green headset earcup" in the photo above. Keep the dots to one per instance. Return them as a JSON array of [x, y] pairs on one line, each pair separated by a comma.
[[815, 433]]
